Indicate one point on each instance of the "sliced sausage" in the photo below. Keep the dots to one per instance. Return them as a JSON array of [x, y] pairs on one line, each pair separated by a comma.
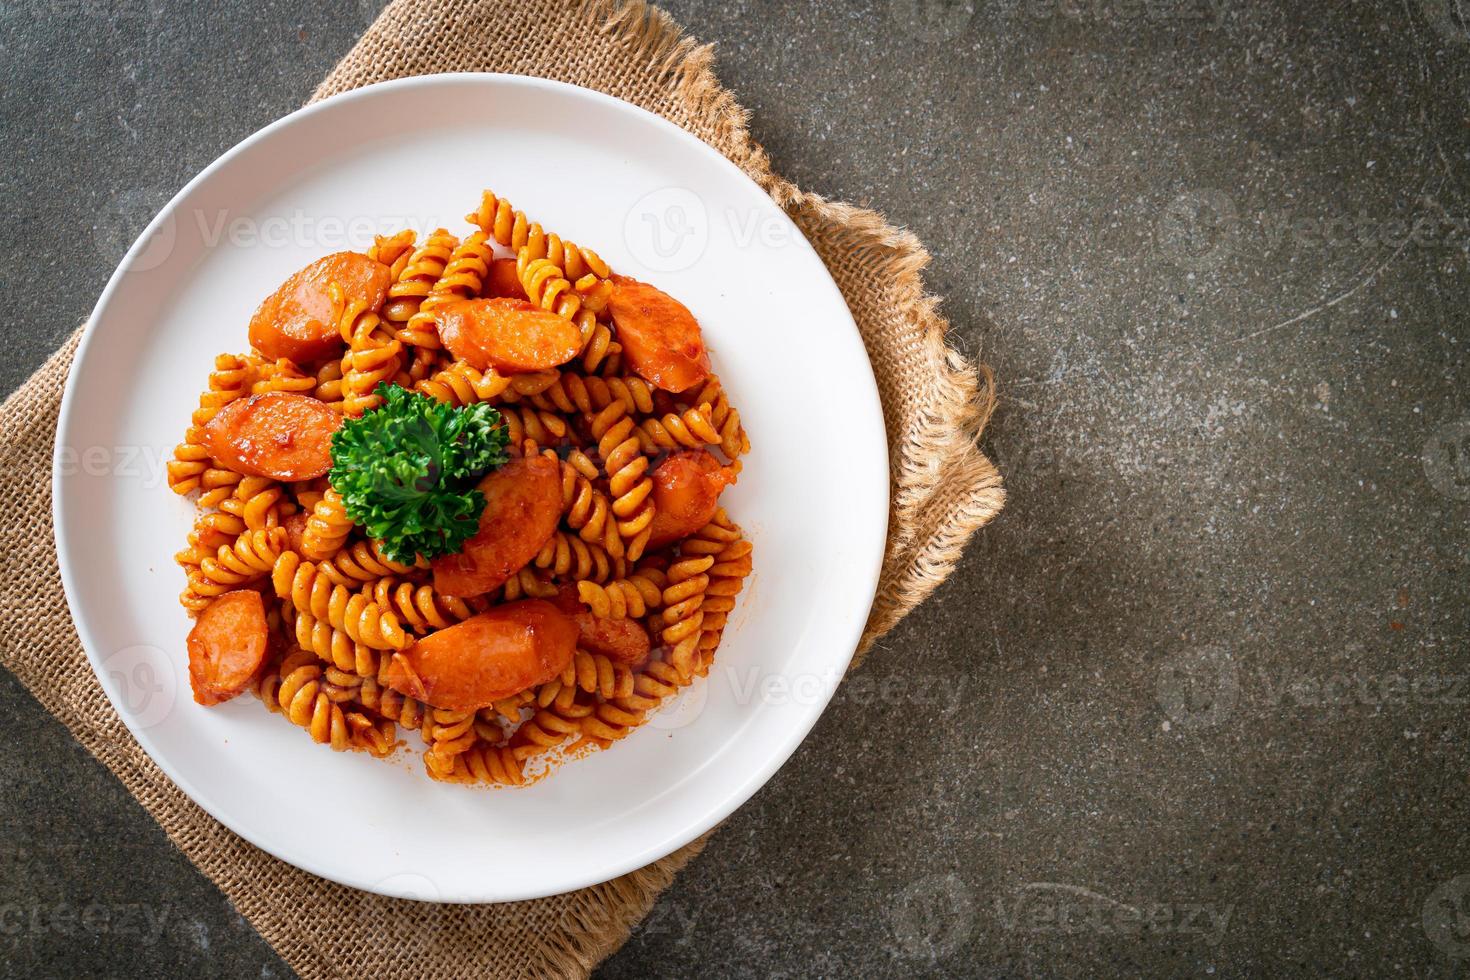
[[227, 646], [686, 493], [504, 280], [475, 663], [522, 509], [296, 320], [623, 640], [660, 337], [278, 434], [509, 335]]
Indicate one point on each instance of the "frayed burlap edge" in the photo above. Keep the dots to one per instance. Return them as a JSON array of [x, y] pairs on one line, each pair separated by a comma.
[[943, 489]]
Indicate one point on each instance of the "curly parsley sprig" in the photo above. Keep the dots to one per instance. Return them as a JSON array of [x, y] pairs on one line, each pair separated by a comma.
[[406, 471]]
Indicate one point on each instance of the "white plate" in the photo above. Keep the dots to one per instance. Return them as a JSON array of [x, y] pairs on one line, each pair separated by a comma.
[[659, 205]]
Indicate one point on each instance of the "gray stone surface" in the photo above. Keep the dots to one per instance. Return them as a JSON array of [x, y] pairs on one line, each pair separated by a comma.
[[1195, 704]]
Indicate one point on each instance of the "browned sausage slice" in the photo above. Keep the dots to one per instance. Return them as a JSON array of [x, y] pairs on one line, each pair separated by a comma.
[[227, 646], [509, 335], [475, 663], [296, 320], [278, 434], [686, 492], [660, 337], [522, 508]]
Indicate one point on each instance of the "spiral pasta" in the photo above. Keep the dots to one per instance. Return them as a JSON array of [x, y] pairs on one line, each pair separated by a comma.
[[526, 584], [567, 556], [506, 709], [296, 690], [610, 722], [308, 493], [649, 605], [191, 468], [481, 763], [341, 686], [388, 703], [548, 729], [327, 528], [574, 262], [511, 228], [361, 561], [622, 598], [413, 284], [329, 382], [329, 643], [283, 375], [548, 288], [463, 277], [657, 681], [373, 355], [714, 404], [449, 734], [460, 384], [418, 606], [598, 346], [524, 422], [258, 501], [626, 468], [683, 614], [556, 274], [588, 511], [588, 394], [394, 251], [732, 564], [211, 529], [558, 717], [248, 560], [313, 593], [690, 429], [422, 364], [231, 378], [598, 674]]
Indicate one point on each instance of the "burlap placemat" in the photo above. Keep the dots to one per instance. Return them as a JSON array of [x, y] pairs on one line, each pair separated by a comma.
[[943, 490]]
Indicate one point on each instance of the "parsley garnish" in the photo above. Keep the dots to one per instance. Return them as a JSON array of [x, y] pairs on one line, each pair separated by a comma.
[[406, 471]]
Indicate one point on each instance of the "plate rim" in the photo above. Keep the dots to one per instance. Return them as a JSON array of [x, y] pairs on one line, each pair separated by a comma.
[[734, 796]]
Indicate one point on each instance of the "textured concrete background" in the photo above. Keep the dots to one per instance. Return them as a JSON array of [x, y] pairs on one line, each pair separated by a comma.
[[1195, 704]]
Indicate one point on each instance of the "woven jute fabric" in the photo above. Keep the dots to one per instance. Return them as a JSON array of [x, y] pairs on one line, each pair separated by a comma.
[[943, 489]]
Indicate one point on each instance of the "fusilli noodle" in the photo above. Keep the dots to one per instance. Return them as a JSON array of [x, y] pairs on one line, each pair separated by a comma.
[[413, 284], [282, 375], [512, 229], [316, 595], [622, 598], [327, 529], [418, 606], [627, 469], [296, 690], [373, 354], [248, 560], [566, 556], [714, 404], [259, 502]]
